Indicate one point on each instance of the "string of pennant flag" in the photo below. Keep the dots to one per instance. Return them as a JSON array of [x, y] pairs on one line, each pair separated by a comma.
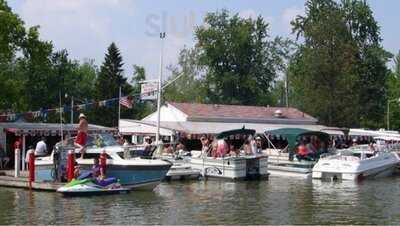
[[126, 101]]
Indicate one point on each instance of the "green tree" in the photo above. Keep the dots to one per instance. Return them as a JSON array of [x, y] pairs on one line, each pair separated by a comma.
[[12, 35], [393, 84], [107, 85], [338, 74], [36, 64], [241, 61]]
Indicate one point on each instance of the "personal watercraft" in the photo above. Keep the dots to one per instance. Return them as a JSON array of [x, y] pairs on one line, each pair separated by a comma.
[[92, 186]]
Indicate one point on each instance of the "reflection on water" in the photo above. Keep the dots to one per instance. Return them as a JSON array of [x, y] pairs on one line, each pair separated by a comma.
[[277, 201]]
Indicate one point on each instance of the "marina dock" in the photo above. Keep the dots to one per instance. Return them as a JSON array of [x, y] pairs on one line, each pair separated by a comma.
[[7, 179]]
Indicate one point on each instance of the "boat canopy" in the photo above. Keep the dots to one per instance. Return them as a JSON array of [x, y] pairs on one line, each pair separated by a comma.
[[386, 138], [291, 134], [241, 131]]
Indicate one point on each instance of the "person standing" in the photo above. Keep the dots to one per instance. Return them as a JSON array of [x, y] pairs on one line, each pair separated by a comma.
[[4, 159], [81, 137], [205, 149], [41, 148]]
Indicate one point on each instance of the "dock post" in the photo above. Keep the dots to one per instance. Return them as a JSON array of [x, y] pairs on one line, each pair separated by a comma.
[[31, 167], [70, 165], [17, 161]]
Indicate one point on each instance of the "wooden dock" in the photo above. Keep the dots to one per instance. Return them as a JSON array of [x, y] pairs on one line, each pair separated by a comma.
[[7, 179]]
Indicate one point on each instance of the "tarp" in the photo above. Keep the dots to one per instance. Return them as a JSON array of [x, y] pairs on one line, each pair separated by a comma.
[[291, 135], [241, 131]]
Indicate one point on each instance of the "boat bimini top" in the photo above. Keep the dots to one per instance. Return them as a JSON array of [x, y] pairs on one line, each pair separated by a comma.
[[292, 135]]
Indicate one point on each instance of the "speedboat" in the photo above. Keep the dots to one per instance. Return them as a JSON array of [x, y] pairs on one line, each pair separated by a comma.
[[356, 163], [132, 172], [180, 169], [90, 186]]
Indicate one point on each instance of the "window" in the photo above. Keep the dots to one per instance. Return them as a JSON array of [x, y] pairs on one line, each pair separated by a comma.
[[94, 155]]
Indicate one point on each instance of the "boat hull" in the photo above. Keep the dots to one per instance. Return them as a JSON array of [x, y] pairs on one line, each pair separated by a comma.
[[130, 176], [233, 168], [339, 169]]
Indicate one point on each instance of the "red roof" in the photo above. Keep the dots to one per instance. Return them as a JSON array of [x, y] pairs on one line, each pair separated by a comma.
[[194, 110]]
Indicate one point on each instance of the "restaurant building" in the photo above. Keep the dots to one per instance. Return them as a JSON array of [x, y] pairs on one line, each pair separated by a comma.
[[191, 120]]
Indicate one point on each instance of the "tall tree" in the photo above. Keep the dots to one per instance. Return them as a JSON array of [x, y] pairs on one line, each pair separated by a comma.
[[12, 35], [334, 70], [241, 61], [393, 85], [107, 85]]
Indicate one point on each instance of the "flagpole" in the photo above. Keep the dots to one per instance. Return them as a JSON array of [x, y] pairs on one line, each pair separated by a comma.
[[162, 36], [119, 108], [61, 123]]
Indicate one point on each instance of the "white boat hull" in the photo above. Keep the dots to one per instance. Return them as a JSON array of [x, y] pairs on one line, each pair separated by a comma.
[[342, 169], [232, 167]]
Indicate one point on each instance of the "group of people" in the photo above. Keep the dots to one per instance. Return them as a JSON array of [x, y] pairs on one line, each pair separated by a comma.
[[221, 148], [310, 148], [341, 142]]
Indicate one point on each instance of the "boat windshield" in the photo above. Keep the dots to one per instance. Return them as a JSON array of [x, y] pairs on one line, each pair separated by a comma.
[[101, 140]]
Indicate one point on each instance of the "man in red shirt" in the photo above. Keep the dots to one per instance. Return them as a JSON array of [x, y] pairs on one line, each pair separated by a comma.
[[80, 140]]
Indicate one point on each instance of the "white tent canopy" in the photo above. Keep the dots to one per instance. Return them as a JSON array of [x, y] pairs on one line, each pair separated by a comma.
[[168, 128]]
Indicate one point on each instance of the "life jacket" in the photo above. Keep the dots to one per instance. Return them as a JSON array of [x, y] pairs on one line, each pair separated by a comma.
[[302, 150]]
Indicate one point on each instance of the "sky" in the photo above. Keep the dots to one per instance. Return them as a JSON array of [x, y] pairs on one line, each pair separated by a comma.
[[87, 27]]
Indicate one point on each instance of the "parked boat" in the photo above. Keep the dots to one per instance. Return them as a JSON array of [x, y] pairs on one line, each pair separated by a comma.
[[356, 163], [231, 167], [180, 169], [132, 173], [284, 162]]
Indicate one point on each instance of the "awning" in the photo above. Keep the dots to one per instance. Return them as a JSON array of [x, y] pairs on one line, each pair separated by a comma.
[[130, 127], [49, 129], [291, 134]]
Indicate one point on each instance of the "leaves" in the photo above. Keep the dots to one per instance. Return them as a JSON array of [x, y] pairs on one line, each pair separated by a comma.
[[339, 73]]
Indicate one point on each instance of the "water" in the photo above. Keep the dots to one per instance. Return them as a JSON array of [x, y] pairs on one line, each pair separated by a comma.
[[277, 201]]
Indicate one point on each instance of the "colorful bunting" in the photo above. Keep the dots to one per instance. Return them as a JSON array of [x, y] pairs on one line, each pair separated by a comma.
[[43, 113]]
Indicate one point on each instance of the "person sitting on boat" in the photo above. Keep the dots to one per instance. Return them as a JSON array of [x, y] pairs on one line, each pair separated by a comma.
[[253, 145], [322, 149], [80, 140], [147, 146], [222, 148], [206, 148], [180, 149], [214, 148], [247, 148], [233, 151], [302, 152], [41, 148], [355, 142], [259, 144], [77, 170], [97, 170]]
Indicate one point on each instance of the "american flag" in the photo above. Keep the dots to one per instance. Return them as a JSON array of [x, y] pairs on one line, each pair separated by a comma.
[[126, 101]]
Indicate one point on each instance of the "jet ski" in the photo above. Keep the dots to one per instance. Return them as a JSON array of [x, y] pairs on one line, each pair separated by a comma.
[[91, 186]]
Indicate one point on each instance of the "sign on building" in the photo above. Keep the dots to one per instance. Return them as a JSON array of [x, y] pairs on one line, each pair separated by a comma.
[[149, 90]]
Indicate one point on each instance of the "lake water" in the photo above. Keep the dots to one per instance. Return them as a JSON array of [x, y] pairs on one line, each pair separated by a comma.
[[277, 201]]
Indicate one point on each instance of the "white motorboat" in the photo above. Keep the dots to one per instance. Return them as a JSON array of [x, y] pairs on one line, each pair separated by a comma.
[[180, 169], [132, 173], [356, 163]]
